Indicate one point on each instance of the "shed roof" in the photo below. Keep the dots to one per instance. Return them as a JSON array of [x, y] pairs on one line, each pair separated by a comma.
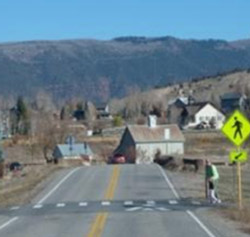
[[143, 133], [194, 108], [74, 149]]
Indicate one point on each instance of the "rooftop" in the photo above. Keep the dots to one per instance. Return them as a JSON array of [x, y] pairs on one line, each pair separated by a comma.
[[143, 133]]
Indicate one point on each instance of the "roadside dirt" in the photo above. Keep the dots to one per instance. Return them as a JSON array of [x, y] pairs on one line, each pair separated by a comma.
[[21, 186]]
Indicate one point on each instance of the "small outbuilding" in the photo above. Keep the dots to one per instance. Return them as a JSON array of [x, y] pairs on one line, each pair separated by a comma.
[[140, 143], [72, 152]]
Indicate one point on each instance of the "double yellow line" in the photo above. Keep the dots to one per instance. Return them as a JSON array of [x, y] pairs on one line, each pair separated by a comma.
[[98, 224], [109, 195]]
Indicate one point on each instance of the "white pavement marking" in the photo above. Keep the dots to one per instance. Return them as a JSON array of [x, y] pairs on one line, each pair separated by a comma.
[[14, 208], [58, 185], [151, 202], [196, 203], [133, 209], [37, 206], [60, 205], [8, 222], [191, 214], [83, 204], [168, 182], [128, 203], [173, 202], [162, 209], [196, 219], [147, 209], [106, 203]]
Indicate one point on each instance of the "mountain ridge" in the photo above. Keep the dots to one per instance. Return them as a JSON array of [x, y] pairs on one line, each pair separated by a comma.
[[100, 69]]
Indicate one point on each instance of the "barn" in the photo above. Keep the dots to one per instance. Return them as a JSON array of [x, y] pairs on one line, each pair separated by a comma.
[[140, 143]]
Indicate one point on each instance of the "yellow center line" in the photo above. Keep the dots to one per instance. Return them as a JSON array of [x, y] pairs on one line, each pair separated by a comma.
[[98, 224], [109, 195]]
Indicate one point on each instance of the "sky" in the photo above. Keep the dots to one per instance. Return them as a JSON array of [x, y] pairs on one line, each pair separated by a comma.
[[22, 20]]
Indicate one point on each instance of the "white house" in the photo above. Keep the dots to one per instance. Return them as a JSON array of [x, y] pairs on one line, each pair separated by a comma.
[[207, 114], [140, 143]]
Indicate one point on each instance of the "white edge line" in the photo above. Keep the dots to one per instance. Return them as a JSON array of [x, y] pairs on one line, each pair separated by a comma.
[[57, 186], [196, 219], [169, 183], [191, 214], [43, 199], [8, 222]]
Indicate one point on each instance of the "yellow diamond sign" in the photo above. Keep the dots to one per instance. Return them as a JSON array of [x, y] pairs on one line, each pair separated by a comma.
[[237, 128], [238, 156]]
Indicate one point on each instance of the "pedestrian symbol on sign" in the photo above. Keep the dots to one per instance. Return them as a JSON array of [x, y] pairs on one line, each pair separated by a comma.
[[238, 125]]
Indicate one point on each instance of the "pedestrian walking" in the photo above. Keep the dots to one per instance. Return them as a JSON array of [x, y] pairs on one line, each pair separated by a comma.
[[212, 177]]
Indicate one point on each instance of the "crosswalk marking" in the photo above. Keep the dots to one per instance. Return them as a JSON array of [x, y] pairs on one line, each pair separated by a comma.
[[37, 206], [106, 203], [196, 202], [14, 208], [151, 202], [173, 202], [148, 209], [162, 209], [133, 209], [128, 203]]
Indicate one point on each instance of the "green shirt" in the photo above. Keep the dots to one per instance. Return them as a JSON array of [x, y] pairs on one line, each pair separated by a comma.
[[215, 173], [212, 172]]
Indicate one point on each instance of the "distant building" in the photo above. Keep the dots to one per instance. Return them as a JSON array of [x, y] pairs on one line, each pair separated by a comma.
[[103, 111], [182, 101], [206, 115], [140, 143], [72, 151], [232, 101], [199, 113]]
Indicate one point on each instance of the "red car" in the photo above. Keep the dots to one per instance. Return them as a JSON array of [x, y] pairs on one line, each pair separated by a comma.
[[118, 159]]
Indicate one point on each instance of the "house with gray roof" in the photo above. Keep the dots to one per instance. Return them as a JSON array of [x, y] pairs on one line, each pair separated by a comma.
[[140, 143], [72, 151], [232, 101]]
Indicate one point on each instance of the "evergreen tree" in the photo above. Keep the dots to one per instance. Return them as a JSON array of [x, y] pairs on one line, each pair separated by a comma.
[[62, 113], [23, 123]]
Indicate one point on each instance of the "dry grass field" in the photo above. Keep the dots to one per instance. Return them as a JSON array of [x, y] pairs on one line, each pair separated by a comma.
[[20, 187]]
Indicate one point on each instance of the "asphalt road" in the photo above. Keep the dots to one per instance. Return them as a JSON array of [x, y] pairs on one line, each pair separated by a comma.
[[107, 201]]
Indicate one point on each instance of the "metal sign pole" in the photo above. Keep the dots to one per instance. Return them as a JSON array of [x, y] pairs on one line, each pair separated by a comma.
[[239, 185]]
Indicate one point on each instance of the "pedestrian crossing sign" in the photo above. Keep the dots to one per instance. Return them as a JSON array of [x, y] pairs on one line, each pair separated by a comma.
[[238, 156], [237, 128]]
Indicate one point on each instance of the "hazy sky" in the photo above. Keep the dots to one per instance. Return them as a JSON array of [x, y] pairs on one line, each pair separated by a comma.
[[105, 19]]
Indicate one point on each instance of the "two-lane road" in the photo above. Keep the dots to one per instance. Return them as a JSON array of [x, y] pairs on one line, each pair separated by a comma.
[[108, 201]]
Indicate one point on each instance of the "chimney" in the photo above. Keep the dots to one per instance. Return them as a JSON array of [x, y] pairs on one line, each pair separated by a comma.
[[167, 134], [152, 121]]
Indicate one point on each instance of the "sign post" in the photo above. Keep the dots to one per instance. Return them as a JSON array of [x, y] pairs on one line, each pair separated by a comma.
[[237, 130], [239, 185]]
